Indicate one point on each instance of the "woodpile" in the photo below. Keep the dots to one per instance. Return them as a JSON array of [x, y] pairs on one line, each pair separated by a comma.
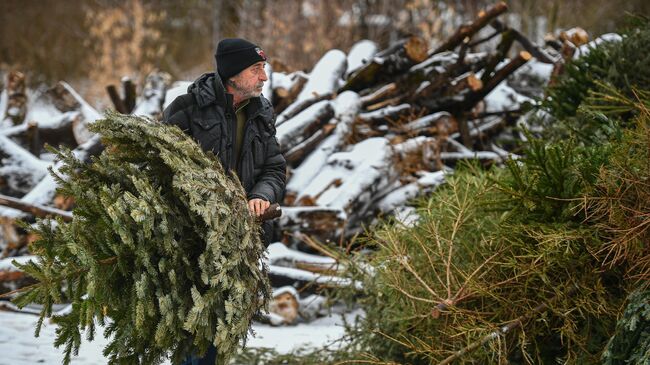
[[363, 134], [400, 116]]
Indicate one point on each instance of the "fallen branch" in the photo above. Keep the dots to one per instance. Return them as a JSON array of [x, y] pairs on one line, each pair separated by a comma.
[[529, 46], [468, 30], [36, 210]]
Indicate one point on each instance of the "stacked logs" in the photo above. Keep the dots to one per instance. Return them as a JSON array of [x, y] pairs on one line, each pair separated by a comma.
[[362, 142]]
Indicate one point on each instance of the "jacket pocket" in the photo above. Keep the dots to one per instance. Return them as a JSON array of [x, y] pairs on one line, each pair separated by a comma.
[[209, 133]]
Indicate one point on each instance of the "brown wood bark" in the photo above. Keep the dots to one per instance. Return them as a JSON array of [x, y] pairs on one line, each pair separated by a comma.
[[62, 99], [567, 52], [283, 98], [429, 125], [126, 104], [296, 154], [529, 46], [387, 65], [507, 38], [34, 209], [272, 212], [33, 138], [285, 305], [388, 102], [464, 102], [468, 81], [116, 99], [291, 135], [502, 73], [129, 94], [388, 114], [468, 30], [446, 85], [379, 94], [11, 275], [321, 222], [13, 236], [298, 107]]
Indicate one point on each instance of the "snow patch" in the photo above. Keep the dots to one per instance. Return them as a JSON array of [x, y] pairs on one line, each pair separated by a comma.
[[324, 78], [360, 54]]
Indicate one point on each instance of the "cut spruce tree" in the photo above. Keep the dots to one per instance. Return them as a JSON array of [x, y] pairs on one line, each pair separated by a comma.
[[161, 250]]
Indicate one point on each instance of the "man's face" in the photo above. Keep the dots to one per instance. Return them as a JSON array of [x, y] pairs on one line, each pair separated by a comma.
[[249, 82]]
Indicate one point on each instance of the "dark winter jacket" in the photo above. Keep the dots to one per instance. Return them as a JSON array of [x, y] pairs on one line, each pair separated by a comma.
[[206, 114]]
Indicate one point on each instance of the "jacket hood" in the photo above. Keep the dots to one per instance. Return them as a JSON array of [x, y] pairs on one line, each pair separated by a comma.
[[208, 89]]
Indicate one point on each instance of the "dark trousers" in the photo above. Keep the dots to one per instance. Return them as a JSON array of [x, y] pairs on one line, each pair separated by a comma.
[[208, 359]]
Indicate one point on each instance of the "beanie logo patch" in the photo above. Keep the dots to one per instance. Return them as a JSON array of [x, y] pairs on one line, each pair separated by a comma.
[[261, 53]]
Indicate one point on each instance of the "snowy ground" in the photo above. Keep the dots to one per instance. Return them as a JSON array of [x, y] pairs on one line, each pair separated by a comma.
[[19, 346]]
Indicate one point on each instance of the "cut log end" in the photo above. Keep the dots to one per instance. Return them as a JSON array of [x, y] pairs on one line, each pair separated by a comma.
[[474, 82], [63, 202], [15, 80], [286, 306], [577, 36], [416, 49]]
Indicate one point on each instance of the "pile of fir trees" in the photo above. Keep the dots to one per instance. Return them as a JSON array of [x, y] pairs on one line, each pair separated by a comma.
[[533, 263], [162, 250]]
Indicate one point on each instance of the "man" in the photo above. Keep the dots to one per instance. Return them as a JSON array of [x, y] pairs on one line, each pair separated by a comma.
[[227, 115]]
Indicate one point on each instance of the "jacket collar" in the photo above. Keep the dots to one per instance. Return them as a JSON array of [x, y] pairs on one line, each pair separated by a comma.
[[208, 89]]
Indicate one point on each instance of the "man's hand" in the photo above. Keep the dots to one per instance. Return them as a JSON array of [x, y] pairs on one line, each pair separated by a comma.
[[258, 206]]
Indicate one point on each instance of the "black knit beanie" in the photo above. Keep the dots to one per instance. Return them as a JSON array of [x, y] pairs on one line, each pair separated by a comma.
[[234, 55]]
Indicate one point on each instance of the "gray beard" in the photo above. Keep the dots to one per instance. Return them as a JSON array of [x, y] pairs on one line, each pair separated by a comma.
[[245, 93]]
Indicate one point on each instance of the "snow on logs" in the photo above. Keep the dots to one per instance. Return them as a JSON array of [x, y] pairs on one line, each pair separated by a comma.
[[303, 126], [20, 169], [360, 54], [324, 78], [394, 60], [412, 106], [323, 81], [346, 107]]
